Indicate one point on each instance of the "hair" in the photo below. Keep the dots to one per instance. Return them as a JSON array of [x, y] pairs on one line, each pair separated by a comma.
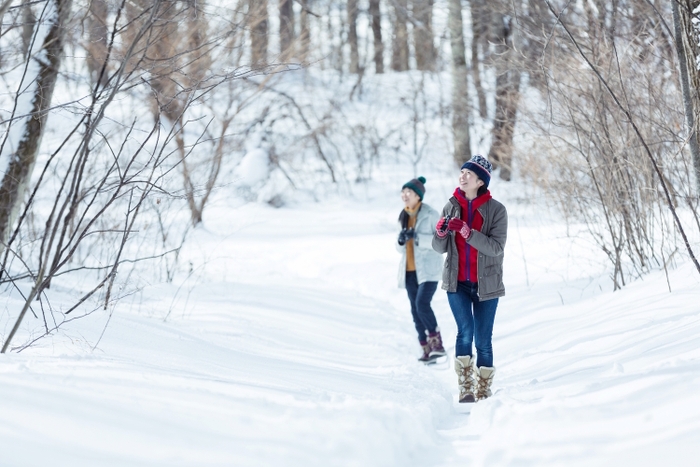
[[482, 189]]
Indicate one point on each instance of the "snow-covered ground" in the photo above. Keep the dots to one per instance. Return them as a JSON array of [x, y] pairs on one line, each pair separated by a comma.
[[290, 345]]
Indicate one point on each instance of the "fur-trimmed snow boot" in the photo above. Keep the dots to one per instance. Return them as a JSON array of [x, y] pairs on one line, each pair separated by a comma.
[[435, 343], [426, 352], [465, 378], [484, 378]]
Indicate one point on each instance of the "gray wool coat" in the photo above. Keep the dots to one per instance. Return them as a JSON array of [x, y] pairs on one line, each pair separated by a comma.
[[489, 242], [428, 261]]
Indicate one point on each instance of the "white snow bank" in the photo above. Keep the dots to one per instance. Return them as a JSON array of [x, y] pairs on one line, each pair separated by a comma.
[[254, 168]]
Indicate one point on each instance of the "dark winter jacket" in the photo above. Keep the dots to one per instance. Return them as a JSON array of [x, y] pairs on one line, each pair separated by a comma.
[[489, 242]]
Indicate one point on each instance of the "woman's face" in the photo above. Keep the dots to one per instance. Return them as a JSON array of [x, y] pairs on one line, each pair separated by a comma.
[[469, 182], [409, 198]]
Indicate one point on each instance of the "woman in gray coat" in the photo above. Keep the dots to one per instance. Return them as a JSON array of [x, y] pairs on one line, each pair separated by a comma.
[[472, 231], [420, 267]]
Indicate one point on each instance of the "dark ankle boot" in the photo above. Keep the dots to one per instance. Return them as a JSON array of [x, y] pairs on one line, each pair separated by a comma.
[[426, 352], [435, 343]]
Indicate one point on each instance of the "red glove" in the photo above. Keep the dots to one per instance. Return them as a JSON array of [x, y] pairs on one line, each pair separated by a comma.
[[458, 225], [441, 228], [440, 224]]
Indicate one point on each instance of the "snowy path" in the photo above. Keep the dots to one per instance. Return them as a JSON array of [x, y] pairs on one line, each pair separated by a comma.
[[296, 348]]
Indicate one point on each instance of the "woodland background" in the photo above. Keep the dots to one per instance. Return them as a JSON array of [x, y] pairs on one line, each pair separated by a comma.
[[122, 119]]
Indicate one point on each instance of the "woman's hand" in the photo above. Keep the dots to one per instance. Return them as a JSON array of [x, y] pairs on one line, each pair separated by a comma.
[[441, 227], [406, 235], [458, 225]]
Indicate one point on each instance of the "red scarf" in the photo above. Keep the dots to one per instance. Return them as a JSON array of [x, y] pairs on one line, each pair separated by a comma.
[[468, 255]]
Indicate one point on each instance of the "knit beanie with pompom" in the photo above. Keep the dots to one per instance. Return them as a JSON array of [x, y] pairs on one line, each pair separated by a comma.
[[481, 167], [417, 185]]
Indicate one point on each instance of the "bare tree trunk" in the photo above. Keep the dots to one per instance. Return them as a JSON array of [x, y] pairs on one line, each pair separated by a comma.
[[97, 37], [19, 156], [178, 61], [376, 15], [336, 38], [258, 23], [688, 51], [352, 36], [507, 97], [477, 14], [399, 54], [286, 29], [304, 33], [423, 34], [28, 22], [460, 92]]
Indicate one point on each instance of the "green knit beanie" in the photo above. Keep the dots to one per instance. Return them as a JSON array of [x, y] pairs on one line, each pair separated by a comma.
[[417, 185]]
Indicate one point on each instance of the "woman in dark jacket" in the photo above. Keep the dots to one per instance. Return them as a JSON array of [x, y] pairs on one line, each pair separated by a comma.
[[472, 231]]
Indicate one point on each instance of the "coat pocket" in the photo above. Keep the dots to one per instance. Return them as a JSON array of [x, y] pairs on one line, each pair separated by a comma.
[[493, 270], [492, 280]]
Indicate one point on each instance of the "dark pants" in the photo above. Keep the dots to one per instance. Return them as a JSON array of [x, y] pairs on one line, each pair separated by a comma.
[[474, 322], [420, 296]]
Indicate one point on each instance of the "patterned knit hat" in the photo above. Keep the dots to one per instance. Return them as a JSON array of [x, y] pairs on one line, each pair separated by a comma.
[[417, 185], [481, 167]]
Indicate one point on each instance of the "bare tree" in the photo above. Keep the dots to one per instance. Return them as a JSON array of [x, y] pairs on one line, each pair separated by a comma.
[[100, 174], [423, 34], [177, 58], [352, 36], [507, 96], [21, 143], [479, 33], [685, 20], [286, 12], [399, 51], [376, 16], [460, 92], [258, 24], [335, 31], [97, 40], [611, 153], [28, 22], [304, 32]]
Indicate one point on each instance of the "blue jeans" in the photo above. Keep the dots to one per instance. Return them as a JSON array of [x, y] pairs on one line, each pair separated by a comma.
[[420, 296], [474, 322]]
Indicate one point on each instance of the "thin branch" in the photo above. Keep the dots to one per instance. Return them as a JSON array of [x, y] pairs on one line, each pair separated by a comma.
[[636, 131]]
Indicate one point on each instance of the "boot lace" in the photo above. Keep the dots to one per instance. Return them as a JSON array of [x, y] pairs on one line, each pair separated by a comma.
[[466, 381], [483, 386]]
